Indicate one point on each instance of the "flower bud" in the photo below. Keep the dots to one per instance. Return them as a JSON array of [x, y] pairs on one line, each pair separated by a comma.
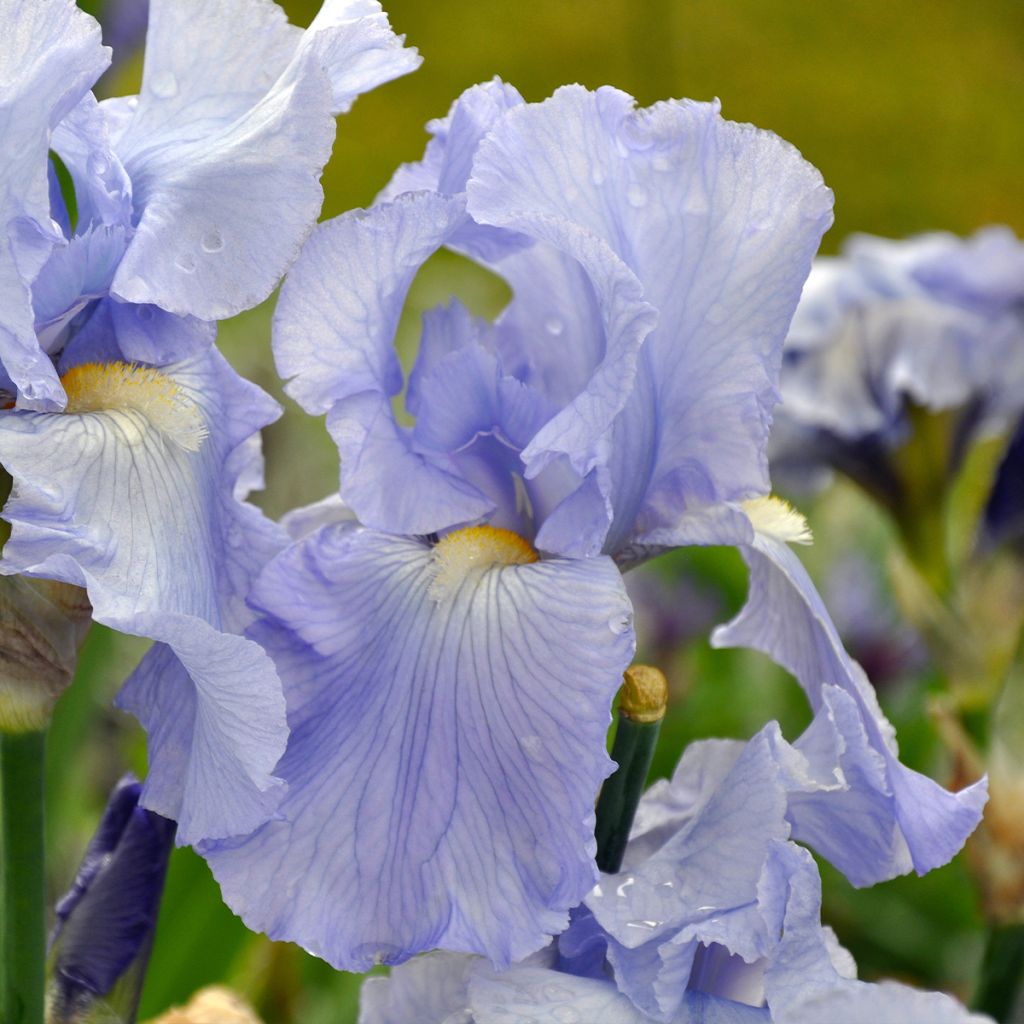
[[42, 625]]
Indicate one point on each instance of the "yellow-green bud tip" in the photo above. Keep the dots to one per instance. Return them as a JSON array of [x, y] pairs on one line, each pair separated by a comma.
[[644, 694]]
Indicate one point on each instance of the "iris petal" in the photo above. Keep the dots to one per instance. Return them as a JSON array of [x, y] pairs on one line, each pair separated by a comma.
[[446, 750], [159, 537], [784, 617]]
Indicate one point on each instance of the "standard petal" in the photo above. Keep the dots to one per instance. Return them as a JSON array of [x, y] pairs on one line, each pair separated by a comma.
[[225, 147], [354, 44], [335, 322], [222, 218], [103, 192], [50, 57], [785, 618], [160, 538], [333, 341], [415, 715], [719, 222], [448, 159]]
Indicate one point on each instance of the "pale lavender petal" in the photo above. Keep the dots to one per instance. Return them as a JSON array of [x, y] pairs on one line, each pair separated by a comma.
[[333, 341], [225, 147], [415, 713], [103, 193], [223, 217], [784, 617], [708, 869], [160, 538], [718, 222], [448, 159], [50, 57], [432, 987], [354, 44]]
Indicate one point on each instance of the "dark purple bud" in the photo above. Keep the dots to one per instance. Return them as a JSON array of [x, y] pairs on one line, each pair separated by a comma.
[[106, 920], [1003, 522]]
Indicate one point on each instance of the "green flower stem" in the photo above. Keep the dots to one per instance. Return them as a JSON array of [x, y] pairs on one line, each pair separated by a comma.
[[23, 950], [641, 711], [1002, 973]]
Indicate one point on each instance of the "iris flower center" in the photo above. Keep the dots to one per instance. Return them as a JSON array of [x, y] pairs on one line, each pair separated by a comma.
[[127, 387], [473, 549]]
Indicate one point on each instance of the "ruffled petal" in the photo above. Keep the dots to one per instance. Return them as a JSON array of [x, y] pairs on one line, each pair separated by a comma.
[[211, 706], [719, 222], [222, 218], [336, 318], [432, 987], [807, 981], [354, 44], [784, 617], [526, 994], [710, 867], [50, 57], [333, 341], [419, 703], [447, 162], [225, 147], [116, 501], [103, 192]]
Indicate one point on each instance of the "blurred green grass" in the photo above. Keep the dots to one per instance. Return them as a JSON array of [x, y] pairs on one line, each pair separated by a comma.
[[912, 111]]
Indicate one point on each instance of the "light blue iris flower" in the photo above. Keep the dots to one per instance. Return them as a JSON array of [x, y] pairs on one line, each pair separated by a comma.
[[933, 323], [449, 683], [715, 917], [132, 444], [194, 196]]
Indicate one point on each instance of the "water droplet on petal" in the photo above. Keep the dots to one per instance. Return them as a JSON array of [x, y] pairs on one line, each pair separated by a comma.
[[597, 176], [144, 313], [234, 535], [164, 85], [621, 890], [636, 196], [660, 162], [554, 326], [759, 220], [186, 263], [212, 241], [98, 164], [618, 624], [647, 926]]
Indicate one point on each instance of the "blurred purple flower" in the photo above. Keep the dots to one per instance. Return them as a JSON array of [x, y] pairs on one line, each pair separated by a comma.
[[875, 635], [669, 613], [933, 322]]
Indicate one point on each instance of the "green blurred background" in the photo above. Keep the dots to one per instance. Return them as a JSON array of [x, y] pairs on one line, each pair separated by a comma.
[[912, 111]]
